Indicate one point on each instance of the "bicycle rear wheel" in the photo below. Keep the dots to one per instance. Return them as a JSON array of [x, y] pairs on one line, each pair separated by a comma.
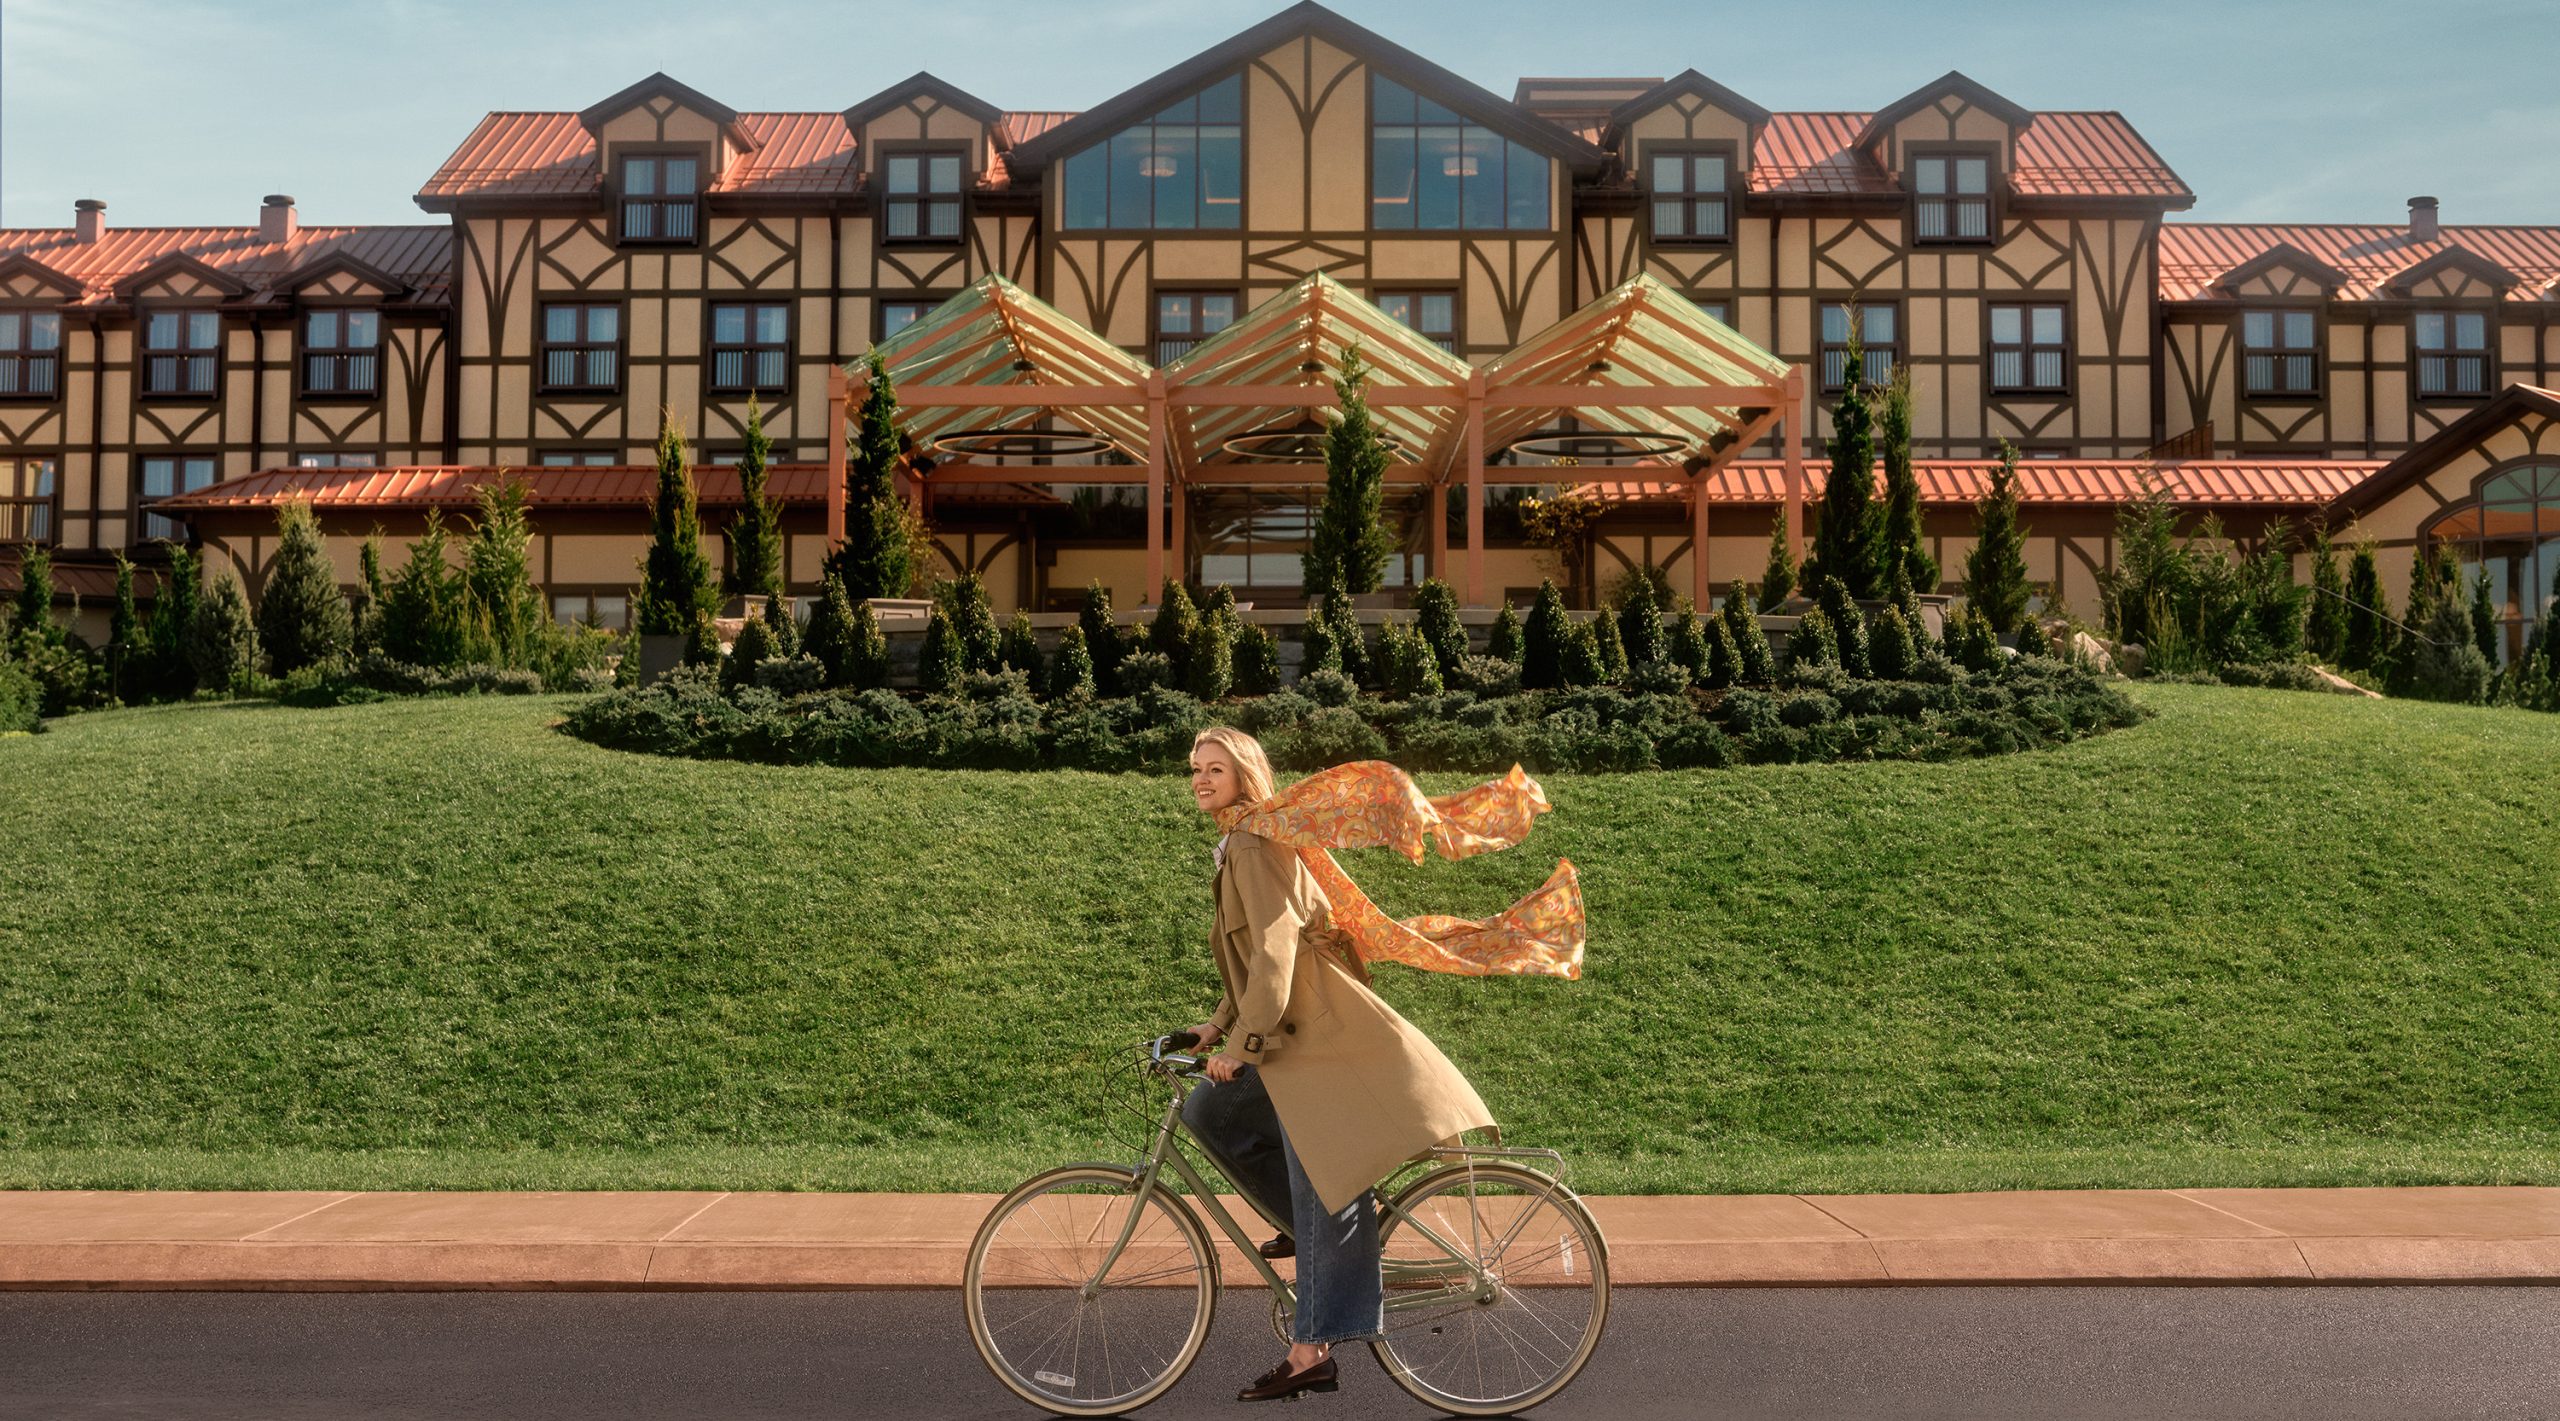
[[1512, 1331], [1056, 1330]]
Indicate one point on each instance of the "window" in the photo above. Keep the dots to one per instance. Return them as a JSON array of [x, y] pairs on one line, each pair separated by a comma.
[[1184, 317], [335, 459], [582, 348], [1182, 169], [2277, 356], [922, 202], [1876, 339], [341, 353], [750, 346], [1952, 201], [896, 316], [2453, 354], [1692, 196], [1432, 313], [31, 354], [26, 500], [179, 352], [596, 608], [1432, 171], [2512, 533], [1718, 310], [658, 197], [2027, 351], [1257, 537], [163, 476], [577, 458]]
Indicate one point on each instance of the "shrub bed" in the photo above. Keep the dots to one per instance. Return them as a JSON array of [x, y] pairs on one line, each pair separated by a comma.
[[990, 720]]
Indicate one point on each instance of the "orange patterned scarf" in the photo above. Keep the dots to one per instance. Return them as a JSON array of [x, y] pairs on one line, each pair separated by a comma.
[[1372, 804]]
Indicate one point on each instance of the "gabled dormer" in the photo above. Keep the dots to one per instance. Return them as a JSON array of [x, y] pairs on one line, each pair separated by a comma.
[[1952, 143], [2453, 274], [2282, 272], [338, 276], [25, 281], [1687, 143], [662, 145], [180, 277], [923, 145]]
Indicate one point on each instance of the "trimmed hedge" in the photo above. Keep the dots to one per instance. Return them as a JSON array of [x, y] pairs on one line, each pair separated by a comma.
[[991, 721]]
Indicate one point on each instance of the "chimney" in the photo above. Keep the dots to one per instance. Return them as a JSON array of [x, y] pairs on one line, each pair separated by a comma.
[[89, 218], [2422, 219], [276, 221]]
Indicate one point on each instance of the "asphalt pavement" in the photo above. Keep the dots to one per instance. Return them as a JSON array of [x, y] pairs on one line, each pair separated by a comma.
[[2334, 1353]]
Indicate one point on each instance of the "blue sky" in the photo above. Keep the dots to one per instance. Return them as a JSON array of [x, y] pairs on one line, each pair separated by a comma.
[[187, 111]]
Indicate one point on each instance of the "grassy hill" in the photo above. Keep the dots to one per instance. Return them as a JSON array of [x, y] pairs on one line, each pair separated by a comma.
[[2263, 938]]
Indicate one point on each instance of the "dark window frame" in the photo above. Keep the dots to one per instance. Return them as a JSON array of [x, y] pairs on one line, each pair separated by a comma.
[[658, 202], [19, 360], [1824, 345], [589, 592], [1918, 153], [924, 199], [1726, 301], [1457, 308], [1727, 199], [310, 459], [1558, 213], [2486, 352], [22, 513], [2027, 347], [576, 458], [2317, 389], [145, 353], [880, 310], [140, 533], [1156, 335], [342, 356], [545, 348], [712, 347], [1244, 177]]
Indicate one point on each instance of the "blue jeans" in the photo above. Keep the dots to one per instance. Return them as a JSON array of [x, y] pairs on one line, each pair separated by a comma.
[[1340, 1298]]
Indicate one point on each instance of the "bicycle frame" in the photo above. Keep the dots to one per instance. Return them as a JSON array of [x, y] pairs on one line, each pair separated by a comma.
[[1167, 1151]]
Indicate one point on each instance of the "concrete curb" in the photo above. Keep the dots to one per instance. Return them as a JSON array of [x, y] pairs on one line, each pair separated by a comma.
[[690, 1241]]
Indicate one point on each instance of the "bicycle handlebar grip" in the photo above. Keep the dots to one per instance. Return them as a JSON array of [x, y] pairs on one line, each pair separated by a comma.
[[1182, 1041]]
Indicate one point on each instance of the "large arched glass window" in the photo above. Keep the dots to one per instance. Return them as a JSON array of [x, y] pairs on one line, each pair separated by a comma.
[[1180, 170], [1431, 170], [2513, 531]]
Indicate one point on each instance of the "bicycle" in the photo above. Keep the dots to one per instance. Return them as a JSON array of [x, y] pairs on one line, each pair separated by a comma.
[[1090, 1287]]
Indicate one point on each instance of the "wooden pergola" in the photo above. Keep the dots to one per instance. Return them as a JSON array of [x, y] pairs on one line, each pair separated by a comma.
[[1641, 369]]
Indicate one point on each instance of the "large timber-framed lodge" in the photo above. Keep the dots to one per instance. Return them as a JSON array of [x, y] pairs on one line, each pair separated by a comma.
[[1169, 276]]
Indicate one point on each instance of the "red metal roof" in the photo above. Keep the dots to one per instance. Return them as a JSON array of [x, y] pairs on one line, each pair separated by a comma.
[[420, 256], [454, 485], [2060, 154], [2285, 483], [2195, 255]]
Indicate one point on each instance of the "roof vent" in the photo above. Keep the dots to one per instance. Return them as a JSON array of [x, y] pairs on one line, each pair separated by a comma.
[[276, 221], [89, 220], [2422, 219]]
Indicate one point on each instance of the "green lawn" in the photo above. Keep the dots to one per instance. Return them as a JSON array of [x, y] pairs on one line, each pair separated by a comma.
[[2263, 938]]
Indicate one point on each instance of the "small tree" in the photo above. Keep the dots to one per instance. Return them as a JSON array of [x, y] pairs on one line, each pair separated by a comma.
[[785, 629], [1902, 548], [2367, 639], [1779, 578], [1640, 624], [1071, 668], [1352, 638], [2484, 618], [173, 619], [941, 664], [502, 605], [755, 535], [1257, 660], [1176, 624], [1813, 643], [973, 622], [1611, 648], [2447, 664], [222, 642], [1995, 571], [1581, 661], [675, 578], [1506, 641], [1435, 610], [2324, 630], [702, 644], [868, 669], [1545, 641], [1687, 646], [1318, 650], [1348, 549], [1019, 648], [1848, 626], [367, 633], [1411, 667], [127, 650], [1101, 635], [753, 647], [883, 537], [35, 596], [1221, 602], [302, 617], [1845, 541], [1755, 663], [422, 610], [829, 637], [1891, 652], [1208, 660], [1724, 655]]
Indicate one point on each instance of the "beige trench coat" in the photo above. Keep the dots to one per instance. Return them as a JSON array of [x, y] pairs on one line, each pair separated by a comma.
[[1357, 1087]]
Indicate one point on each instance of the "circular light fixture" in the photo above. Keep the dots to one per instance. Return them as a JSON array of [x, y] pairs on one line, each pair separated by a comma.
[[1017, 443], [1617, 445], [1157, 165], [1298, 443]]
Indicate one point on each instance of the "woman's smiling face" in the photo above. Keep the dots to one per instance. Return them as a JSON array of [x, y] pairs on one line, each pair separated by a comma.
[[1214, 781]]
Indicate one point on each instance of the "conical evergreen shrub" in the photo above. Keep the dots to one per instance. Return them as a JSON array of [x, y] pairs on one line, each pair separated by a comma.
[[784, 627], [1581, 664], [973, 622], [1208, 660], [1724, 658], [501, 605], [1221, 602], [2366, 642], [1686, 646], [1352, 639], [1613, 652], [173, 618], [1071, 667], [1257, 660], [1318, 650], [755, 535], [753, 647], [869, 666], [2485, 632], [2032, 640], [830, 634], [302, 617], [1813, 643], [702, 644], [1995, 571], [424, 608], [367, 618], [1778, 579], [1435, 612], [35, 596], [1505, 642], [1848, 626], [1019, 648], [1171, 632], [1101, 635], [2324, 628], [222, 644], [675, 579], [1755, 663], [941, 664], [126, 650], [1640, 625], [1546, 640], [1891, 653], [878, 556]]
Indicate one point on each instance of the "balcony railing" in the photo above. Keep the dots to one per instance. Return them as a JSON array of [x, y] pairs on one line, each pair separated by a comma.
[[26, 520], [37, 375]]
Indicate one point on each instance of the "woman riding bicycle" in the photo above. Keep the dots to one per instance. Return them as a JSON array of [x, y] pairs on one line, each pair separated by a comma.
[[1322, 1088]]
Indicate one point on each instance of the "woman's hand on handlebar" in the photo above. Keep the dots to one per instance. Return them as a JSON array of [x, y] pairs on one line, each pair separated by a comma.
[[1205, 1037], [1221, 1069]]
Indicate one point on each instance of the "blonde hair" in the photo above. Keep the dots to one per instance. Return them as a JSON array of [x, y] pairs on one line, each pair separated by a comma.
[[1253, 767]]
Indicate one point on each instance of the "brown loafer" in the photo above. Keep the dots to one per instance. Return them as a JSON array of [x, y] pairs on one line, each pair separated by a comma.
[[1279, 1246], [1280, 1382]]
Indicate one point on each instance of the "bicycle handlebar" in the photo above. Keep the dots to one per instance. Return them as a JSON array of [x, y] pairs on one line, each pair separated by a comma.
[[1167, 1051]]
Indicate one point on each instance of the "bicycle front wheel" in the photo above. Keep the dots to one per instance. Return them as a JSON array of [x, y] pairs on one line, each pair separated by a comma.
[[1059, 1328], [1496, 1293]]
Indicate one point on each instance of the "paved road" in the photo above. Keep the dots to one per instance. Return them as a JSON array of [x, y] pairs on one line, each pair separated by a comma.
[[2327, 1353]]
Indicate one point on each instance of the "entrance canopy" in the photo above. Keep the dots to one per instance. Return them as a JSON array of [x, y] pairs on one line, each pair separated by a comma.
[[1640, 386]]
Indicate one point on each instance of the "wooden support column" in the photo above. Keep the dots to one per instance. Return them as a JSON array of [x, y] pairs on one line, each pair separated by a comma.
[[839, 402], [1699, 587], [1436, 508], [1180, 493], [1799, 425], [1475, 488], [1155, 485]]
